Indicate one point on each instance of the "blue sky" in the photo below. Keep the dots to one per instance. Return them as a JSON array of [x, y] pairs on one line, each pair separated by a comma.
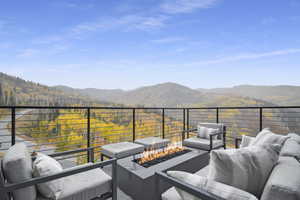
[[131, 43]]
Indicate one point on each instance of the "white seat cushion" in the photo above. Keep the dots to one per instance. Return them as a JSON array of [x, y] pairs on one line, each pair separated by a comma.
[[153, 142], [172, 194], [284, 181], [201, 143], [122, 149], [84, 186]]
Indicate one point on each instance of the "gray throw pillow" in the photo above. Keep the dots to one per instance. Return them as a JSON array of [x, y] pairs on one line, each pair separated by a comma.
[[17, 166], [246, 141], [291, 148], [294, 136], [268, 137], [209, 186], [245, 168], [46, 166], [204, 132]]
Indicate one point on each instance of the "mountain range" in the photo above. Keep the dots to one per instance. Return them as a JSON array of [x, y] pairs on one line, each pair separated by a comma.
[[285, 95], [160, 95], [164, 95]]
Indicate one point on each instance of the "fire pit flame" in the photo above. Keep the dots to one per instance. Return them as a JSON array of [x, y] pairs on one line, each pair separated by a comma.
[[154, 154]]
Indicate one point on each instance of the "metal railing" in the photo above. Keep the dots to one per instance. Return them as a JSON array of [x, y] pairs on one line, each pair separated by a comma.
[[58, 129]]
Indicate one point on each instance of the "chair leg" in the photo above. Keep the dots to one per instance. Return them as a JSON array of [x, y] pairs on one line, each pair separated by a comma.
[[102, 157]]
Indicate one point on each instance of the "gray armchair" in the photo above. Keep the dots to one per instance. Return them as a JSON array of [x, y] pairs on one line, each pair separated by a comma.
[[83, 182], [204, 143]]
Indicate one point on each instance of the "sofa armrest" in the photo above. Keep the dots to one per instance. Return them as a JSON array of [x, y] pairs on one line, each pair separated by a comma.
[[67, 172], [200, 193]]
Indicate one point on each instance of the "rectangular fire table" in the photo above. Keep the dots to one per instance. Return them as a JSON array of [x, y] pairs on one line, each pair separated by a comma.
[[139, 182]]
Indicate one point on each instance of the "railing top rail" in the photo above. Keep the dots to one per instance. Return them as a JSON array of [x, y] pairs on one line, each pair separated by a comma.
[[128, 108]]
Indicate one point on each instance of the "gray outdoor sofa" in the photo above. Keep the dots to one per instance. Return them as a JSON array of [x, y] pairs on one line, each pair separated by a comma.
[[84, 182], [283, 183]]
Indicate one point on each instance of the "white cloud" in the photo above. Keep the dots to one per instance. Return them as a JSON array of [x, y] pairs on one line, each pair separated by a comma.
[[48, 39], [127, 22], [27, 53], [168, 40], [246, 56], [124, 23], [185, 6]]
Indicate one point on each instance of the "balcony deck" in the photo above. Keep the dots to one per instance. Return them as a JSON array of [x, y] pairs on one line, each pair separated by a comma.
[[53, 130]]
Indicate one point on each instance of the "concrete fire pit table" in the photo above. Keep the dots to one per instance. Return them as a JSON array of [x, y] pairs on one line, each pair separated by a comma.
[[121, 150], [140, 182], [153, 142]]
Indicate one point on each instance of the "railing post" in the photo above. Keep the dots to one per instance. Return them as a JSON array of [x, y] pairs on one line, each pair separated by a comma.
[[184, 119], [188, 121], [217, 115], [89, 152], [133, 124], [260, 118], [184, 124], [163, 123], [13, 125]]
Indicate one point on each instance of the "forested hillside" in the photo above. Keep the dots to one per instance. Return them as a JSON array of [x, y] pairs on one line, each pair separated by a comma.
[[16, 91], [284, 95]]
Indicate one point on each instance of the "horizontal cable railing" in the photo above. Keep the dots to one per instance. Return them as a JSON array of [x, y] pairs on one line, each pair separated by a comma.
[[58, 129]]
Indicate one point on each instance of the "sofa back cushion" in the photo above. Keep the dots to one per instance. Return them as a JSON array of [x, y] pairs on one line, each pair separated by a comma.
[[246, 168], [284, 181], [291, 148], [219, 127], [204, 132], [3, 196], [268, 137], [246, 141], [295, 136], [17, 166]]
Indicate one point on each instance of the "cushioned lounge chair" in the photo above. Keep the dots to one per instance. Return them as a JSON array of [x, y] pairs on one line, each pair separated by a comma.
[[83, 182], [205, 143]]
